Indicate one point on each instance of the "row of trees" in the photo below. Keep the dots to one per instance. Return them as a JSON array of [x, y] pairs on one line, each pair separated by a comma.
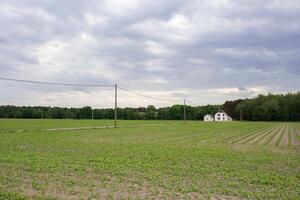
[[174, 112], [262, 108], [266, 108]]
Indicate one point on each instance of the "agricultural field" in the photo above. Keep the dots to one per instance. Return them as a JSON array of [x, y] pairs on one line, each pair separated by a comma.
[[45, 124], [88, 159]]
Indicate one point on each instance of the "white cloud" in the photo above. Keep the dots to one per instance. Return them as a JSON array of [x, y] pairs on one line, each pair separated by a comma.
[[203, 50], [158, 49]]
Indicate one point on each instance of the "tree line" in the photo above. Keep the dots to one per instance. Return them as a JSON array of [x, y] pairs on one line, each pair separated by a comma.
[[267, 108], [174, 112], [261, 108]]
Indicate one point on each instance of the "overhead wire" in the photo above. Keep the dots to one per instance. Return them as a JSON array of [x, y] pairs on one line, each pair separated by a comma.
[[88, 85], [147, 96], [54, 83]]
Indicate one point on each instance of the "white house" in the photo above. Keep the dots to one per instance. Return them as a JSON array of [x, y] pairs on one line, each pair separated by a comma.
[[222, 116], [208, 118]]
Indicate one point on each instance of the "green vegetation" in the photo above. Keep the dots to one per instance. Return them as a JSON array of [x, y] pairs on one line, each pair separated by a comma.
[[262, 108], [267, 108], [37, 124], [174, 112], [257, 160]]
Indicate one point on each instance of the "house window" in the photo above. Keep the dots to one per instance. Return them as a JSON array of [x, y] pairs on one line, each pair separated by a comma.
[[223, 114], [218, 118], [219, 114]]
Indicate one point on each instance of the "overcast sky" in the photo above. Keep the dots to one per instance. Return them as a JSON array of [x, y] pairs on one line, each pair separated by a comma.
[[204, 51]]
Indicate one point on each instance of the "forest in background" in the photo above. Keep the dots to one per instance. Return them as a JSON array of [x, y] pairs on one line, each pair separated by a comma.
[[271, 107]]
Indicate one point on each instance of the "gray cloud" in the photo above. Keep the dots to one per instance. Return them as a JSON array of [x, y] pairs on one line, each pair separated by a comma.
[[207, 51]]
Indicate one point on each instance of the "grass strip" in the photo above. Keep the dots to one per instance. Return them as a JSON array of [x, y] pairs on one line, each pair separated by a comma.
[[272, 136], [247, 139], [241, 138], [279, 140]]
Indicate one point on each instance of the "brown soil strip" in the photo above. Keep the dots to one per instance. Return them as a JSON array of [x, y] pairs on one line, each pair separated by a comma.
[[251, 137], [271, 136], [223, 138], [277, 136], [220, 139], [243, 137], [267, 138], [290, 135], [226, 138], [285, 137], [230, 138], [298, 133], [295, 135], [262, 136], [214, 138], [184, 137]]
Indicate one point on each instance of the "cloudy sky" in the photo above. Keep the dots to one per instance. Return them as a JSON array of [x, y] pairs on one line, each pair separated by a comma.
[[204, 51]]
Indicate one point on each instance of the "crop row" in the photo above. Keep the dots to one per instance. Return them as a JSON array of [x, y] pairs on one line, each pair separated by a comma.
[[279, 135]]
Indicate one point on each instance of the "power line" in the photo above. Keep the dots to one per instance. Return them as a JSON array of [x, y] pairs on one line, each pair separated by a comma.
[[87, 85], [146, 96], [54, 83]]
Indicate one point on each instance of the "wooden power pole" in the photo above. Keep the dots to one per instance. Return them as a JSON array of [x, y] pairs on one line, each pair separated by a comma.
[[184, 112], [116, 103]]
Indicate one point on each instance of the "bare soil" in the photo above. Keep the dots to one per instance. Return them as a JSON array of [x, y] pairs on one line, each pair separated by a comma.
[[285, 138], [243, 137], [295, 135], [252, 137], [270, 137], [277, 136], [261, 138]]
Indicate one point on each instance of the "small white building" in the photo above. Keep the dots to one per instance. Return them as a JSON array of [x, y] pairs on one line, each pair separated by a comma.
[[208, 118], [222, 116]]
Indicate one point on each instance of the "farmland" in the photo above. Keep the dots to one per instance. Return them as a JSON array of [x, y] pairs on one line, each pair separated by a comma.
[[45, 159]]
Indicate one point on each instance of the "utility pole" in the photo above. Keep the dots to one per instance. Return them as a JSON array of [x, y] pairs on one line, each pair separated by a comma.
[[184, 112], [92, 114], [116, 103]]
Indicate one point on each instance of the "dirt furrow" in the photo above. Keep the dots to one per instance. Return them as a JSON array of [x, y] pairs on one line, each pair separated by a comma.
[[210, 137], [285, 137], [290, 135], [251, 137], [295, 135], [277, 136], [214, 139], [185, 137], [244, 137], [235, 137], [261, 136], [298, 133], [269, 137]]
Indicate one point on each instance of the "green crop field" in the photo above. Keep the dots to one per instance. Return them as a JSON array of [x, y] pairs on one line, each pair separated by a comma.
[[85, 159]]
